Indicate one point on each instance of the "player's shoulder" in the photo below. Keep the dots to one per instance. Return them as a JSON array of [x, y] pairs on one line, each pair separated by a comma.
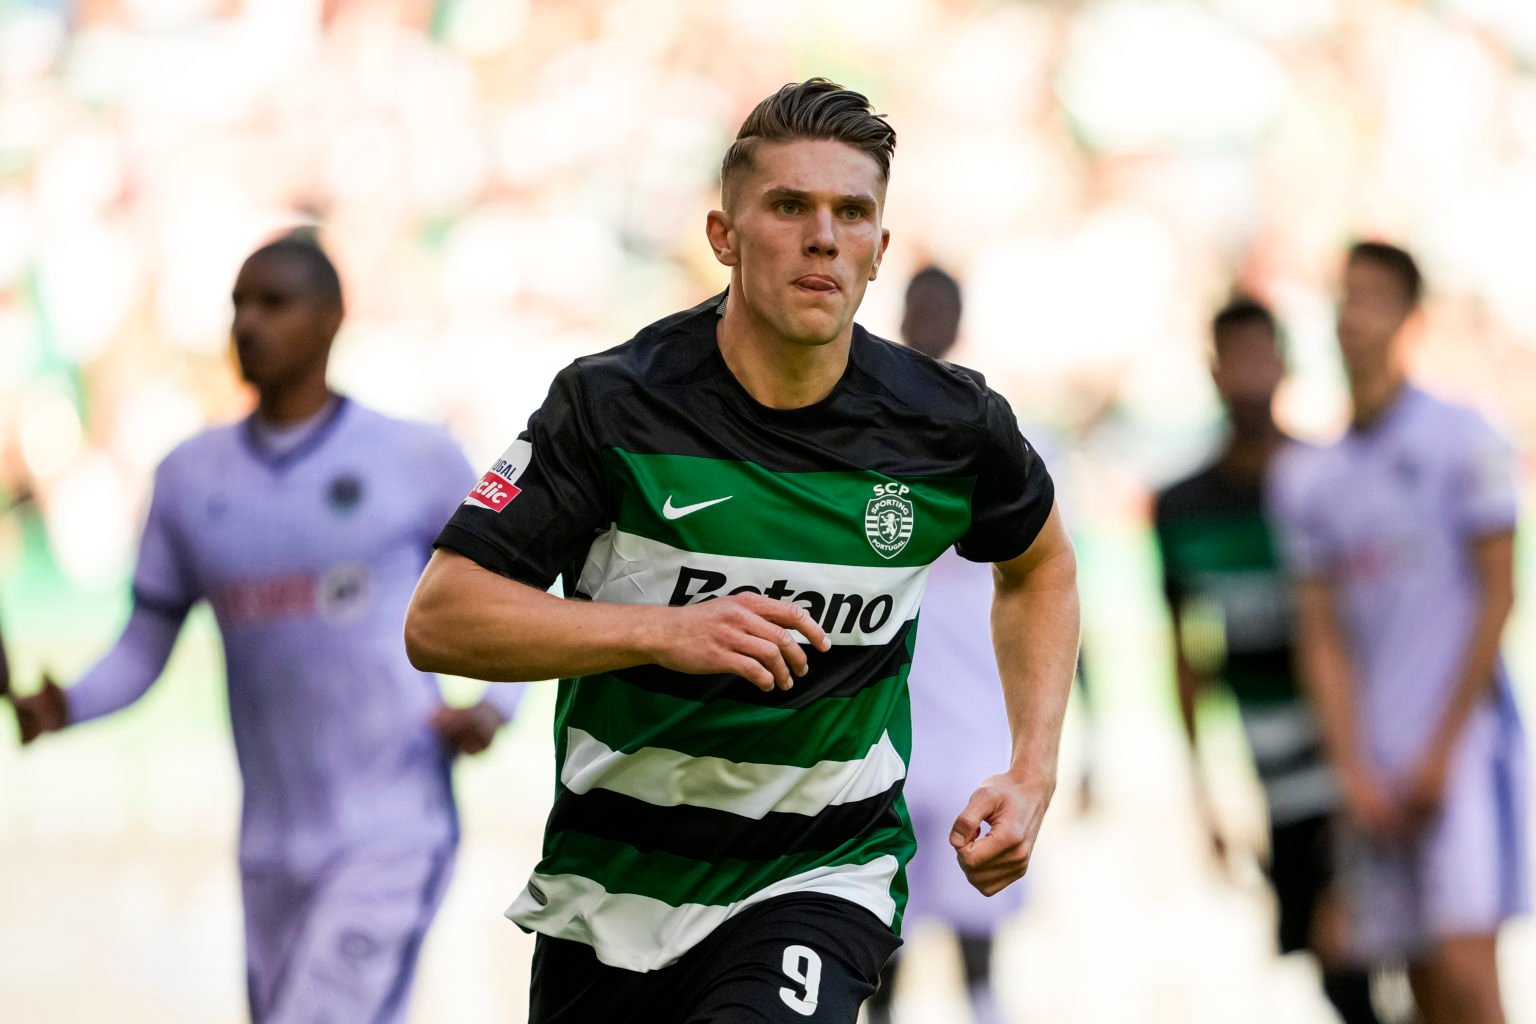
[[1301, 471], [670, 351], [933, 387], [210, 446], [413, 445], [1449, 422]]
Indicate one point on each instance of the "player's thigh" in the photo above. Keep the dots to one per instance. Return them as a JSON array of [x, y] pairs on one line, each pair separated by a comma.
[[569, 985], [1463, 975], [275, 904], [796, 959], [355, 957]]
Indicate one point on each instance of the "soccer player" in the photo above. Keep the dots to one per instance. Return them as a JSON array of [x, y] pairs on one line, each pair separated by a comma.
[[959, 726], [745, 499], [1232, 619], [306, 526], [1401, 537]]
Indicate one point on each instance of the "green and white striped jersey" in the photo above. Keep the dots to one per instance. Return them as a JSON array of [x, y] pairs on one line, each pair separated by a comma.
[[650, 476]]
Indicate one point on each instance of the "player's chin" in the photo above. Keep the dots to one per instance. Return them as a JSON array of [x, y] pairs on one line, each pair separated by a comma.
[[814, 328]]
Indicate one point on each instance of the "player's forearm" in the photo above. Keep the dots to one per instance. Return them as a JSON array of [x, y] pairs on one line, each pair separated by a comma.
[[1325, 672], [1482, 654], [126, 672], [1035, 623], [466, 620], [1189, 684]]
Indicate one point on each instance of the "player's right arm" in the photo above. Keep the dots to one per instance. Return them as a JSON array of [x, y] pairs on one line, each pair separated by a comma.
[[1326, 678], [469, 621], [482, 609], [1299, 514], [164, 589], [121, 677], [1189, 682]]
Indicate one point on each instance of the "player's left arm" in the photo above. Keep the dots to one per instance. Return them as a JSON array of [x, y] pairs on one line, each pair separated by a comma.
[[1486, 508], [1035, 623], [1493, 563]]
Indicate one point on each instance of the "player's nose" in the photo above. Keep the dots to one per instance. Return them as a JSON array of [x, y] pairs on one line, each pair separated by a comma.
[[821, 239]]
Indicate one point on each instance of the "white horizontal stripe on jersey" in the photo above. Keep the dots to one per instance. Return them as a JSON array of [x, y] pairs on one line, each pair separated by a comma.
[[668, 778], [1278, 732], [638, 933], [868, 603], [1301, 794]]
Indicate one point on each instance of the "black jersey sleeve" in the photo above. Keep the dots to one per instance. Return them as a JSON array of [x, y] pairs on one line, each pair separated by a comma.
[[1013, 494], [537, 509]]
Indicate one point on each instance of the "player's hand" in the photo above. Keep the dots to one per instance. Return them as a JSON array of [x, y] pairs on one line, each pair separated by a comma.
[[1371, 808], [47, 710], [1425, 795], [747, 635], [1013, 810], [467, 730]]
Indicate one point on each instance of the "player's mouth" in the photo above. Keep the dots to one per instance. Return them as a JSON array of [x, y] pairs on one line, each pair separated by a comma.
[[819, 284]]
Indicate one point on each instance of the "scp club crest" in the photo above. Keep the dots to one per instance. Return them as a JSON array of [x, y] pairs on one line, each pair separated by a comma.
[[888, 519]]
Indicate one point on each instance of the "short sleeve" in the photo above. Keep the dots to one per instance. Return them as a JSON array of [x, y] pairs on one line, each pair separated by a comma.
[[538, 507], [1298, 519], [1013, 495], [163, 580], [1486, 494]]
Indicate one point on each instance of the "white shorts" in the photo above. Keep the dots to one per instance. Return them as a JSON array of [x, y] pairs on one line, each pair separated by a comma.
[[339, 945], [1464, 874]]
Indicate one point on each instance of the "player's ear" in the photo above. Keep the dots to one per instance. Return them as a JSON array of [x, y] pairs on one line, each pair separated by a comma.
[[722, 237], [885, 240]]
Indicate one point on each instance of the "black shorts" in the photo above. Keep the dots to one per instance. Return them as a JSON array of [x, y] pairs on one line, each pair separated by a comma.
[[788, 960], [1300, 871]]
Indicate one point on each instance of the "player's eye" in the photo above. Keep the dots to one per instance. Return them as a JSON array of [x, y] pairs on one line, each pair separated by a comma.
[[853, 212], [788, 206]]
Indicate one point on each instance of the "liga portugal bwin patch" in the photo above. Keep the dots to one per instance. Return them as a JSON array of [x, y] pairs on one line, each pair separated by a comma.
[[498, 486]]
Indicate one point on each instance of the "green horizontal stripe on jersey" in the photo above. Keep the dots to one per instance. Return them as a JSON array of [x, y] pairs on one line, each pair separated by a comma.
[[1216, 543], [803, 517], [677, 880], [628, 718]]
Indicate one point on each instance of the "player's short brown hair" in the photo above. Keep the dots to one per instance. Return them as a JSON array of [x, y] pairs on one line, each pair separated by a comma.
[[816, 108]]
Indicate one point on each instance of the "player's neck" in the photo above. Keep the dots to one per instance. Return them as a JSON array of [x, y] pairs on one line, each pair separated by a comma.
[[776, 371], [1249, 451], [1372, 394], [285, 406]]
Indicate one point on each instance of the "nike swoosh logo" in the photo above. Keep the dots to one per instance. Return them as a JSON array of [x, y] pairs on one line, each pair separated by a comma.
[[672, 511]]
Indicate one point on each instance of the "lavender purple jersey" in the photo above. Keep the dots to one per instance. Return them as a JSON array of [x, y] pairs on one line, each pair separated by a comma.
[[960, 736], [1389, 516], [309, 559]]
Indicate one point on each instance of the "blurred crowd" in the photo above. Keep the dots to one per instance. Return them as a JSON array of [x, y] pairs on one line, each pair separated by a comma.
[[508, 183]]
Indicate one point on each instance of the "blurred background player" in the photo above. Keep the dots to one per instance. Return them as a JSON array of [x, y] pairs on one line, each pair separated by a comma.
[[959, 726], [1401, 536], [305, 526], [1232, 618]]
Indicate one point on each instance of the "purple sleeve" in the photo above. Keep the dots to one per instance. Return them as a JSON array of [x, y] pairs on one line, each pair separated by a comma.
[[163, 579], [505, 697], [1486, 493], [128, 669], [1298, 519]]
